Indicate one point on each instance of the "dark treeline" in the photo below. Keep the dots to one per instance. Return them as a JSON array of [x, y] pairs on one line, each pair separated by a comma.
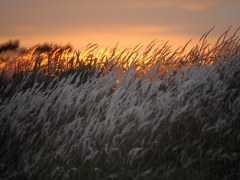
[[10, 45], [13, 45]]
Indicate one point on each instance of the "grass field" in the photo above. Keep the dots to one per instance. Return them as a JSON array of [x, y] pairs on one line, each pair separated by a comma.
[[121, 114]]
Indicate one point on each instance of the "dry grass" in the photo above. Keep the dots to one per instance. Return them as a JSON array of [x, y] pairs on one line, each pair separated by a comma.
[[152, 115]]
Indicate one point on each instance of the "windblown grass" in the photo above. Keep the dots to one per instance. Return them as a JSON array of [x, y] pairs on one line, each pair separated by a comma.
[[152, 115]]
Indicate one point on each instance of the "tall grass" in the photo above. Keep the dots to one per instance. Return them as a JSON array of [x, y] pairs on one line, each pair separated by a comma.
[[152, 115]]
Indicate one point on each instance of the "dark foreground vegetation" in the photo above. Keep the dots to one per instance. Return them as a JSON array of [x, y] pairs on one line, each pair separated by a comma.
[[120, 114]]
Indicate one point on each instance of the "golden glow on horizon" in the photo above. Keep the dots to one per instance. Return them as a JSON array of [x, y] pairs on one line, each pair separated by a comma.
[[79, 42], [128, 37]]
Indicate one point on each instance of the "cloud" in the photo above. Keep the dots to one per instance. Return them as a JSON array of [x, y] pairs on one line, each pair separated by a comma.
[[201, 5], [184, 4]]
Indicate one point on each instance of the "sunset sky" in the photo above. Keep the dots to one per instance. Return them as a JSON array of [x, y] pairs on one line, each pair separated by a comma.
[[128, 22]]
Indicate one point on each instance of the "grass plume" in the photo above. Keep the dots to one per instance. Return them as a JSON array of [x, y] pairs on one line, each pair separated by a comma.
[[121, 114]]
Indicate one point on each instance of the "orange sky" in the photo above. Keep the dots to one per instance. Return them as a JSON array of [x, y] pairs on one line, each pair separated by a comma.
[[108, 22]]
